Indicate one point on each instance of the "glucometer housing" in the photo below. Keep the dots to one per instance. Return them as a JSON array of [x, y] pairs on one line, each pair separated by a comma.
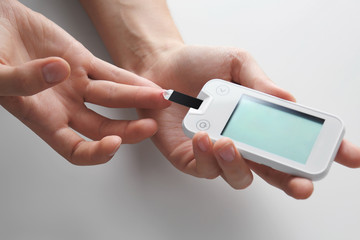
[[268, 130]]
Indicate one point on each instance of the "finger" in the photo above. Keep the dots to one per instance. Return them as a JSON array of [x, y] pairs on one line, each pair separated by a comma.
[[235, 170], [32, 77], [80, 152], [296, 187], [249, 74], [110, 94], [95, 152], [106, 71], [95, 126], [206, 164], [348, 155]]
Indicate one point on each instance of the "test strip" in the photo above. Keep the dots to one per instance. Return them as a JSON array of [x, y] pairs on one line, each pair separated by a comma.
[[182, 99]]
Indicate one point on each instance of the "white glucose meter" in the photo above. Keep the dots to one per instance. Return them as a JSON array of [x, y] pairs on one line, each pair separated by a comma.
[[268, 130]]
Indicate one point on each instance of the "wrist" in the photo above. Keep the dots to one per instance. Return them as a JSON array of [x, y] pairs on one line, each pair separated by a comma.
[[144, 38], [134, 31], [143, 55]]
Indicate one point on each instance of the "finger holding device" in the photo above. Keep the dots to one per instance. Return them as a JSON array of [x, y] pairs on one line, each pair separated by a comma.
[[283, 135]]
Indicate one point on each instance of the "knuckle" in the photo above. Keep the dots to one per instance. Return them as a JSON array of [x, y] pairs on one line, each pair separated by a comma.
[[126, 130], [73, 155], [240, 55], [137, 95], [111, 92], [239, 58], [22, 83], [18, 106], [102, 130]]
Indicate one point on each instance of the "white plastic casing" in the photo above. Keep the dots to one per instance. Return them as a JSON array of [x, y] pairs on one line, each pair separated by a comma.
[[220, 100]]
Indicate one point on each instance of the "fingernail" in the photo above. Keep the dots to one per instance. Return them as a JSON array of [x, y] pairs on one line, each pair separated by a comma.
[[113, 153], [227, 153], [115, 150], [204, 143], [55, 72], [248, 179]]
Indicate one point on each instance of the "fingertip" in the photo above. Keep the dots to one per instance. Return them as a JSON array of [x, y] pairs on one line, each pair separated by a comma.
[[281, 93], [299, 188], [234, 167], [87, 153], [267, 86], [163, 94], [201, 141], [225, 151], [138, 130], [149, 126], [111, 145], [55, 70], [162, 102], [34, 76], [106, 149], [150, 98], [206, 163], [222, 142], [348, 154]]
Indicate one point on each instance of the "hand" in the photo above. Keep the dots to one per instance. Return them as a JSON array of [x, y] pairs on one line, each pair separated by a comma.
[[46, 76], [152, 47], [186, 69]]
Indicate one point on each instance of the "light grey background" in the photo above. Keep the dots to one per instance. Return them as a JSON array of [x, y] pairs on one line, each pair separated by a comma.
[[311, 48]]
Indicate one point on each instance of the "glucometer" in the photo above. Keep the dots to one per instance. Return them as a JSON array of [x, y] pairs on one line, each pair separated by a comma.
[[265, 129]]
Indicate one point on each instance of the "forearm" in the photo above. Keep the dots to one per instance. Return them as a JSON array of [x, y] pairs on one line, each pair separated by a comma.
[[133, 30]]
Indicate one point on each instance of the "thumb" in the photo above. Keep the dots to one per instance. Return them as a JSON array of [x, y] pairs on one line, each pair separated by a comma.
[[271, 88], [32, 77]]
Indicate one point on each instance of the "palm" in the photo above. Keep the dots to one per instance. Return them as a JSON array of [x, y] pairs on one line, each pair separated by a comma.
[[35, 37], [187, 69], [55, 112]]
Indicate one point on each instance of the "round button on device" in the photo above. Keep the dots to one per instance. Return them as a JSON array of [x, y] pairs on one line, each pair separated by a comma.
[[203, 125], [222, 90]]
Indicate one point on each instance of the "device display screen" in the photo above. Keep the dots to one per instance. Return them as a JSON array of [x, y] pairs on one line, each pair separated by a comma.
[[273, 128]]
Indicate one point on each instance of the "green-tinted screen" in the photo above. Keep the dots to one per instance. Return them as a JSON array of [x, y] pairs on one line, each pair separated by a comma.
[[273, 128]]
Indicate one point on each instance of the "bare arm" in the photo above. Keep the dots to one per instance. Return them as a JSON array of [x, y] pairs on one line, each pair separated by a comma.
[[132, 30], [142, 37]]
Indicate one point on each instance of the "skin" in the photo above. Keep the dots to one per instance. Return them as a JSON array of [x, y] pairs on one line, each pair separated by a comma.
[[142, 37], [46, 77], [207, 162]]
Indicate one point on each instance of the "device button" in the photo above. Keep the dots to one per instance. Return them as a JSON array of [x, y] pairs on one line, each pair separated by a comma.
[[203, 125], [222, 90]]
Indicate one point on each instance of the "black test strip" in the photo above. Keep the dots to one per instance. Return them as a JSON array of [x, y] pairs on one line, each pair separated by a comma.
[[185, 100]]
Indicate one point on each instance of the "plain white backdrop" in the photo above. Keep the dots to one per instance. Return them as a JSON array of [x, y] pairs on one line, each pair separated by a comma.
[[311, 48]]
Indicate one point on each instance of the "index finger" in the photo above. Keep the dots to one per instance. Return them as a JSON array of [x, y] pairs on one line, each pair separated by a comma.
[[116, 95], [249, 74], [100, 69]]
